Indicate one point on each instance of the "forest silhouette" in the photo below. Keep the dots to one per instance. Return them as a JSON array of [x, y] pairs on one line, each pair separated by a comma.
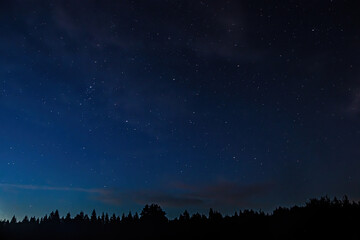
[[318, 218]]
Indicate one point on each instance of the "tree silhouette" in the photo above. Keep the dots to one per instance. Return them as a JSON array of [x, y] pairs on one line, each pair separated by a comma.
[[136, 218], [113, 219], [123, 218], [54, 217], [153, 214], [68, 218], [102, 219], [13, 220], [79, 217], [107, 220], [33, 220], [319, 218], [185, 217], [25, 220], [214, 215], [93, 218]]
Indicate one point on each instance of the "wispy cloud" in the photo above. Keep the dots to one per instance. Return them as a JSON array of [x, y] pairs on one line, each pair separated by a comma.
[[181, 195], [142, 197], [354, 106], [221, 194], [51, 188]]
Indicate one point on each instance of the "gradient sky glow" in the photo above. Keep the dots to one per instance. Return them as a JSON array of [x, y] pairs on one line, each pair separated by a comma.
[[189, 104]]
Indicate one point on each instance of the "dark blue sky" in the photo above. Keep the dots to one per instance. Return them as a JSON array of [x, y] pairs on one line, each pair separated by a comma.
[[189, 104]]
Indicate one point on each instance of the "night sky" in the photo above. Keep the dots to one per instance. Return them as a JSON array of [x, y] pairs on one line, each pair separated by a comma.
[[188, 104]]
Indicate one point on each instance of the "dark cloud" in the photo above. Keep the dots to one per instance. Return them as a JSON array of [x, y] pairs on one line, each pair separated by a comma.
[[191, 26], [223, 194], [144, 197], [354, 106], [168, 199], [232, 193]]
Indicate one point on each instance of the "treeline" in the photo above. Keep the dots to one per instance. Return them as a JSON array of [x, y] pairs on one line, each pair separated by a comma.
[[320, 218]]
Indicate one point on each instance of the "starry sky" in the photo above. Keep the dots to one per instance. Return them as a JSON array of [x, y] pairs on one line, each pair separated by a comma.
[[189, 104]]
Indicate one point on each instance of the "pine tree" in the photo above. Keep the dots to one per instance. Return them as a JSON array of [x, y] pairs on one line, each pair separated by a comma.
[[93, 216], [153, 214], [13, 220], [113, 219], [185, 217], [25, 220], [68, 218], [136, 218], [106, 218]]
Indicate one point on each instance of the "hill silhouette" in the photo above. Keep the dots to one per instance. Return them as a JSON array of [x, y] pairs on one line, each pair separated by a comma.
[[319, 218]]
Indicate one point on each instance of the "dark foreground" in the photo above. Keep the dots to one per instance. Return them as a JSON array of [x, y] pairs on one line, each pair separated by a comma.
[[318, 219]]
